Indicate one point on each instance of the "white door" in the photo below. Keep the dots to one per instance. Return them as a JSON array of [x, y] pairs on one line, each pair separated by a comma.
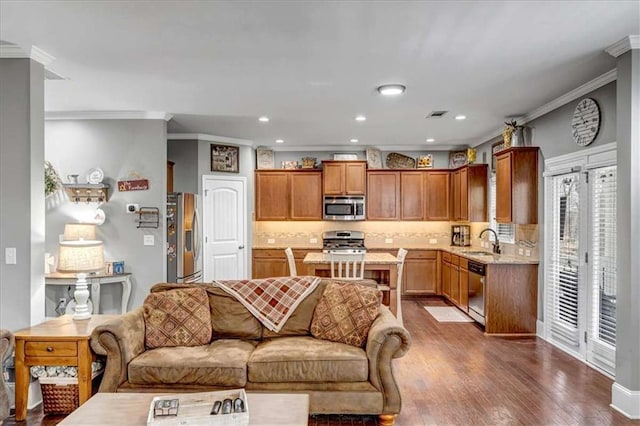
[[580, 278], [224, 228]]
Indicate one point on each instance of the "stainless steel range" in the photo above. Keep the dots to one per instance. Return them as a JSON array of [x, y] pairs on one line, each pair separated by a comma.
[[343, 242]]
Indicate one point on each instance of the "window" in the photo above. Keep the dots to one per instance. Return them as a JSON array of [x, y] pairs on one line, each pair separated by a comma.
[[506, 231]]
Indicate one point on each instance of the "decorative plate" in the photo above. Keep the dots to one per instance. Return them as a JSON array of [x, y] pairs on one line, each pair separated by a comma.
[[95, 176], [400, 161], [425, 161], [99, 217]]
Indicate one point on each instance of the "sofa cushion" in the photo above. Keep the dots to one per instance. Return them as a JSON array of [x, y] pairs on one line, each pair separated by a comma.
[[345, 313], [221, 363], [230, 319], [306, 359], [300, 320], [177, 318]]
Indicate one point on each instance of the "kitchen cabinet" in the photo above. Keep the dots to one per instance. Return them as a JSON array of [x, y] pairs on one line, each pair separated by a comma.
[[344, 177], [288, 195], [170, 165], [383, 197], [517, 185], [469, 188], [421, 273], [446, 275], [412, 196], [455, 278], [266, 263], [437, 195], [463, 282]]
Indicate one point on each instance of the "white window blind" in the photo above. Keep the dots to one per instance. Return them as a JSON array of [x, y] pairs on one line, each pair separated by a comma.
[[563, 296], [506, 231], [603, 268]]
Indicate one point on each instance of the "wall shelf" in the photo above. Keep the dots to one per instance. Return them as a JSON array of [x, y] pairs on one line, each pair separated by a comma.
[[87, 192], [148, 217]]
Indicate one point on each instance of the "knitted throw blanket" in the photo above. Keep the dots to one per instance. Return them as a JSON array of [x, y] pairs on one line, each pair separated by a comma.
[[271, 300]]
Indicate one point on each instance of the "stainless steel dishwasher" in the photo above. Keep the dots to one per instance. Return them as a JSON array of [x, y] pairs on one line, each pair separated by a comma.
[[476, 291]]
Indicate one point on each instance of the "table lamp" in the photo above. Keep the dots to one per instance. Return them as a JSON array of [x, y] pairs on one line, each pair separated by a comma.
[[79, 231], [81, 257]]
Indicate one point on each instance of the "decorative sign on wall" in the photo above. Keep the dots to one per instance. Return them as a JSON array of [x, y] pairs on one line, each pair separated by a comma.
[[224, 158], [133, 185]]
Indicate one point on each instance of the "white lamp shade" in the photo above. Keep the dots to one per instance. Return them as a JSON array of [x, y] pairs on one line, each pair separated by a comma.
[[79, 231], [80, 256]]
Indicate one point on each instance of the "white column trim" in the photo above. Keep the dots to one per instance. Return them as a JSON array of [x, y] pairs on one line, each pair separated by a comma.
[[107, 115], [208, 138], [622, 46], [13, 51], [625, 401]]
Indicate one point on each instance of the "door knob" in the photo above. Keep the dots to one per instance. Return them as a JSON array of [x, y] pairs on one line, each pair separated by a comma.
[[240, 247]]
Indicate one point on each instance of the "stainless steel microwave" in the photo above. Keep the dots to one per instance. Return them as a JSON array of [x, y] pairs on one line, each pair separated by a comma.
[[344, 208]]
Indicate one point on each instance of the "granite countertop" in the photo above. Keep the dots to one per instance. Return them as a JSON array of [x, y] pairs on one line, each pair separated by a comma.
[[370, 258], [490, 258]]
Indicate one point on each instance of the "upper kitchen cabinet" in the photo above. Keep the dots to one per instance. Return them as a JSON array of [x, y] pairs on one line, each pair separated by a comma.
[[383, 198], [412, 196], [344, 177], [288, 195], [469, 189], [517, 185], [437, 195]]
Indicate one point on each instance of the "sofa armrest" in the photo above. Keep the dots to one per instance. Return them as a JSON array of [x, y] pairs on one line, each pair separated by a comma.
[[387, 340], [121, 340]]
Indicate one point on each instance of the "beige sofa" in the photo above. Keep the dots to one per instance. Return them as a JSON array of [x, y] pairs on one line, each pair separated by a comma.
[[339, 378], [6, 350]]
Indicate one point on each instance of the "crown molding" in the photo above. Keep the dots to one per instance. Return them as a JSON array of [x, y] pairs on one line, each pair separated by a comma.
[[622, 46], [208, 138], [362, 148], [571, 96], [13, 51], [107, 115]]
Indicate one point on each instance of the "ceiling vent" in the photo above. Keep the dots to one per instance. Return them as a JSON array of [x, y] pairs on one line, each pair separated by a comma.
[[436, 114]]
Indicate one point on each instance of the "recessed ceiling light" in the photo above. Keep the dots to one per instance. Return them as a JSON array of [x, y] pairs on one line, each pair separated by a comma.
[[361, 118], [391, 89], [353, 140], [279, 141], [431, 140], [263, 119], [461, 117]]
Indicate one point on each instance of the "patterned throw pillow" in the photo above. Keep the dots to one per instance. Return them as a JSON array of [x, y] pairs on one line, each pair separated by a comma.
[[345, 313], [177, 318]]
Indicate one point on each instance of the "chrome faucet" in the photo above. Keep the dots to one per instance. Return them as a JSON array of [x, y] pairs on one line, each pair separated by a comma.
[[496, 245]]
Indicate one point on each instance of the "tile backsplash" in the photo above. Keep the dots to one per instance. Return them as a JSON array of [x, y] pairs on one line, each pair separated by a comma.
[[383, 234]]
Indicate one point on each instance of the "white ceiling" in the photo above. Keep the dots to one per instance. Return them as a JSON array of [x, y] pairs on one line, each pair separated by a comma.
[[312, 66]]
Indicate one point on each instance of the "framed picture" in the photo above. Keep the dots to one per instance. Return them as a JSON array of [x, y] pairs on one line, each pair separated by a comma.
[[374, 158], [290, 165], [224, 158], [495, 148], [264, 158], [425, 162], [457, 159]]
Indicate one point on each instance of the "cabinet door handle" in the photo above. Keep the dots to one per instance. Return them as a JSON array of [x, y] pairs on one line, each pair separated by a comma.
[[49, 349]]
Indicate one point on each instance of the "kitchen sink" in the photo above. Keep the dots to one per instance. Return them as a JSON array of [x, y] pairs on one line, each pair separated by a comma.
[[477, 253]]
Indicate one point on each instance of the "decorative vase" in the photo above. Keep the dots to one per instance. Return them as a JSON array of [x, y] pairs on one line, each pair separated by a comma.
[[507, 134]]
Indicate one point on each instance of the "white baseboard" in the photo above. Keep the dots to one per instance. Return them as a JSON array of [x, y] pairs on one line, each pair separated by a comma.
[[540, 329], [625, 401]]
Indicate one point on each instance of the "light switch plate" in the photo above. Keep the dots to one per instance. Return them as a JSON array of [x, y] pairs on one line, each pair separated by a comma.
[[271, 241], [388, 240], [521, 251], [149, 240], [433, 241], [10, 256], [313, 240], [527, 252]]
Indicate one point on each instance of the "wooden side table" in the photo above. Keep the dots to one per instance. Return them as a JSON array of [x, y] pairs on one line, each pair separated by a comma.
[[58, 342]]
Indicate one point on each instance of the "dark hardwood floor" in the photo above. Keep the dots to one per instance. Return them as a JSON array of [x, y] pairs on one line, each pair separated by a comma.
[[455, 375]]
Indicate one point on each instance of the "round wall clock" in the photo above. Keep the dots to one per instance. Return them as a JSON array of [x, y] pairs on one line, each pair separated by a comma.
[[585, 123]]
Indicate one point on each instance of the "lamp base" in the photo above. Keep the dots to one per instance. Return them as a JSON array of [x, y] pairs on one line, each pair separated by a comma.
[[82, 297]]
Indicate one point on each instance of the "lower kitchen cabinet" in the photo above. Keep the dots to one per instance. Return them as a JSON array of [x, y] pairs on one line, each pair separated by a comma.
[[455, 278], [421, 273], [464, 284], [446, 275], [266, 263]]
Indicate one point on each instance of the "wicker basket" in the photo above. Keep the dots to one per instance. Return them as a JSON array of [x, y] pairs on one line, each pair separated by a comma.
[[59, 394]]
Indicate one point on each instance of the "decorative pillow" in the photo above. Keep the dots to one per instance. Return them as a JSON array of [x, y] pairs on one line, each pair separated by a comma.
[[177, 318], [345, 313]]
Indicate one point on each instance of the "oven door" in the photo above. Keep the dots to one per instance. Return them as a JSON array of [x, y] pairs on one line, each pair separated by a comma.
[[343, 208]]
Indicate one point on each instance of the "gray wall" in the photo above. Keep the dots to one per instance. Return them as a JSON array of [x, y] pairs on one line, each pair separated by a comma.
[[22, 191], [185, 170], [121, 148]]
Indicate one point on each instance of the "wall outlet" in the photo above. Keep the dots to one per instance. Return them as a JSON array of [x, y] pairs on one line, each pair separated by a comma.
[[271, 241], [433, 241], [521, 251], [132, 208], [527, 252], [388, 240], [149, 240], [10, 256], [313, 240]]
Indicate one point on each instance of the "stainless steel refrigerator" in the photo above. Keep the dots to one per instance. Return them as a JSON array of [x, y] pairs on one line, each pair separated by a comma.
[[184, 242]]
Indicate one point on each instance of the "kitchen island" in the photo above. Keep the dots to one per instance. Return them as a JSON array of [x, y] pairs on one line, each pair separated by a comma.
[[382, 267]]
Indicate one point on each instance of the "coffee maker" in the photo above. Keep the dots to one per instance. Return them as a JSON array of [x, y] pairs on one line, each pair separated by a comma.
[[461, 235]]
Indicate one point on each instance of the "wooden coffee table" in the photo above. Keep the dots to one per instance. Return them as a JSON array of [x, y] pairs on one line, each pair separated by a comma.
[[265, 409]]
